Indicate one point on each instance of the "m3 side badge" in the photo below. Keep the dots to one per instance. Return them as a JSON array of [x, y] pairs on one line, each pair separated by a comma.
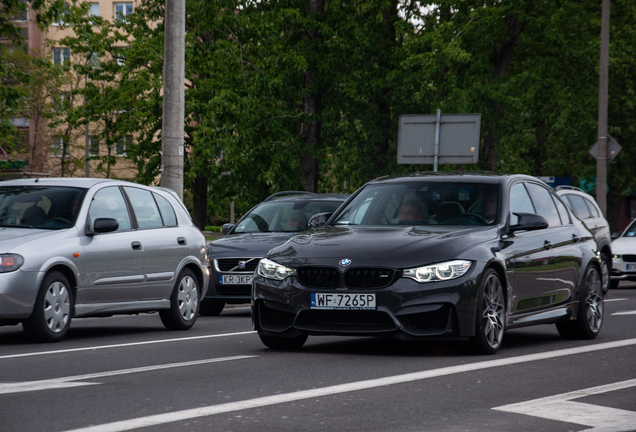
[[345, 262]]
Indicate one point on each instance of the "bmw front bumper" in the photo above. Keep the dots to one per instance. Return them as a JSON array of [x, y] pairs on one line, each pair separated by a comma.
[[405, 309]]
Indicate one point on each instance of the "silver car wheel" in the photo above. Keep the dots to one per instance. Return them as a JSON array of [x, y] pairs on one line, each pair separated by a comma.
[[594, 301], [57, 307], [493, 312], [188, 297]]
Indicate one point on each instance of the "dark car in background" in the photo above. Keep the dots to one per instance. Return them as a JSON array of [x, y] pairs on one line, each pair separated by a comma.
[[234, 257], [463, 256], [585, 208]]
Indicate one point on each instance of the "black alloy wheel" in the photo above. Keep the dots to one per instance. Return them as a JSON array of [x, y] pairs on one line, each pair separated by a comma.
[[211, 307], [589, 320], [491, 315]]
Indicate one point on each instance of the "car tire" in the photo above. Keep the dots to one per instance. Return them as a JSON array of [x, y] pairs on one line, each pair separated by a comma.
[[283, 343], [184, 303], [53, 310], [211, 307], [614, 284], [589, 320], [490, 315], [606, 265]]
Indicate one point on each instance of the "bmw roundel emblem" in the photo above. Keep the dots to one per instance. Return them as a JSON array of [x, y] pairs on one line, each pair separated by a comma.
[[345, 262]]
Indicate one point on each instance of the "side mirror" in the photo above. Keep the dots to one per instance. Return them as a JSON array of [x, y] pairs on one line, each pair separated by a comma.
[[529, 222], [105, 225], [226, 228], [319, 219], [615, 235]]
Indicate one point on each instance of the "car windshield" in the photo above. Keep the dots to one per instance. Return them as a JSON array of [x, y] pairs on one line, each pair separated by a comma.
[[43, 207], [283, 216], [631, 231], [423, 203]]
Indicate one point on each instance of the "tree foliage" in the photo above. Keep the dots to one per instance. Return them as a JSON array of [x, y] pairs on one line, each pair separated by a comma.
[[262, 77]]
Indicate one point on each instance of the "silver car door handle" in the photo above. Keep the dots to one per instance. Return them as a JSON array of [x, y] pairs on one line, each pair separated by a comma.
[[547, 244], [136, 245], [182, 241]]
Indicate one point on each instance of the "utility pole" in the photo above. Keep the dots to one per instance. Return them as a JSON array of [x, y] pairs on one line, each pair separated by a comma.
[[601, 161], [173, 97]]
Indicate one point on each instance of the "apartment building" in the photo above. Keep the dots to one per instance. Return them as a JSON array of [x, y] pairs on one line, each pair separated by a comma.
[[63, 151]]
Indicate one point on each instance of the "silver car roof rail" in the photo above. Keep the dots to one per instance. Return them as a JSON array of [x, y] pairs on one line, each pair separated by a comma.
[[562, 187]]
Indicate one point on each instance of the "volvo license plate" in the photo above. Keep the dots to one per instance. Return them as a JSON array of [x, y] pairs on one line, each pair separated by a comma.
[[235, 279], [343, 301], [631, 267]]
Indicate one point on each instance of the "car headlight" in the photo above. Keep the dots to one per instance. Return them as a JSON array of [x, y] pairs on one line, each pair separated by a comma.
[[272, 270], [10, 262], [438, 272], [616, 257]]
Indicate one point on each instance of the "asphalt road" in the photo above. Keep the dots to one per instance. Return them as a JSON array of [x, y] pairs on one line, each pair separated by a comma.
[[128, 373]]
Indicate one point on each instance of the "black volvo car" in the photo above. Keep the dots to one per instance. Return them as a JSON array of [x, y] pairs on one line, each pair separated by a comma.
[[234, 257], [464, 256]]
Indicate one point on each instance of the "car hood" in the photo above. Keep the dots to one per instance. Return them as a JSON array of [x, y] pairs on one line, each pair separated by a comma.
[[13, 237], [247, 245], [624, 245], [397, 247]]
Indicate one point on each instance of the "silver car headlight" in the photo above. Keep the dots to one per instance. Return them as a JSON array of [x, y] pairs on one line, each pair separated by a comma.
[[10, 262], [438, 272], [272, 270]]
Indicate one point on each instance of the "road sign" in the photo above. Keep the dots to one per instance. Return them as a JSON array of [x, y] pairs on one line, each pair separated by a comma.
[[456, 135], [613, 149]]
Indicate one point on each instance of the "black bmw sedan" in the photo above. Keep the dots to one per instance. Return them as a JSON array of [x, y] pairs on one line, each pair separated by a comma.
[[462, 256]]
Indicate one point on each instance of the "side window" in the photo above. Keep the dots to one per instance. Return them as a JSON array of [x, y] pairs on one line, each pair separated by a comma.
[[563, 211], [167, 212], [542, 199], [109, 203], [145, 208], [592, 208], [519, 202], [579, 207]]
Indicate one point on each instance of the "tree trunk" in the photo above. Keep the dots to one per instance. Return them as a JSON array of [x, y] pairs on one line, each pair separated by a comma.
[[200, 202], [503, 58], [312, 131]]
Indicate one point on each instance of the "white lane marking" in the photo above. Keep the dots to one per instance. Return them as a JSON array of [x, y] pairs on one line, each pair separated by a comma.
[[72, 381], [125, 345], [613, 300], [561, 408], [625, 313], [159, 419]]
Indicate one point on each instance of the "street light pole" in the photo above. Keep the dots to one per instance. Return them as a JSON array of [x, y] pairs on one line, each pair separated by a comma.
[[601, 161], [173, 97]]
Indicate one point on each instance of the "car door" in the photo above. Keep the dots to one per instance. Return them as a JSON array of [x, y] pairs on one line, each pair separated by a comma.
[[544, 261], [114, 261], [163, 241]]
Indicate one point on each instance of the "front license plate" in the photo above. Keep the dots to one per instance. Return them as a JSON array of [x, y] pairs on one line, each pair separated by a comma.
[[631, 267], [235, 279], [343, 301]]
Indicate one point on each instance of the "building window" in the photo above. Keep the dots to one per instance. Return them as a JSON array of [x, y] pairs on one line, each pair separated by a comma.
[[61, 56], [123, 9], [121, 55], [60, 146], [93, 60], [64, 11], [123, 145], [63, 101], [93, 146], [22, 14], [94, 9]]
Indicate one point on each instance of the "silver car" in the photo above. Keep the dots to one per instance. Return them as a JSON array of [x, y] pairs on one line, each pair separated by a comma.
[[92, 247]]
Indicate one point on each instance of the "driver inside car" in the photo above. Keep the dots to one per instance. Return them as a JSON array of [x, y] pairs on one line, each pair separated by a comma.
[[409, 211], [297, 222], [489, 205]]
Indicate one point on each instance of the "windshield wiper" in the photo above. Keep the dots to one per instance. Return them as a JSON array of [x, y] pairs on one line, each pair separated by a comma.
[[15, 226]]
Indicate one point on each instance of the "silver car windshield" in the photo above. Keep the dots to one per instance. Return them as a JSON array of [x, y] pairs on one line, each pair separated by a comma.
[[42, 207], [285, 216], [423, 203]]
